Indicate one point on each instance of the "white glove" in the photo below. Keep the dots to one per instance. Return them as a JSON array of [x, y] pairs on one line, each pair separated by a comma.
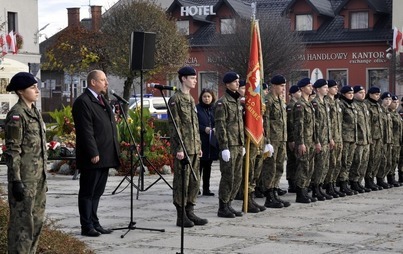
[[243, 151], [225, 155], [268, 149]]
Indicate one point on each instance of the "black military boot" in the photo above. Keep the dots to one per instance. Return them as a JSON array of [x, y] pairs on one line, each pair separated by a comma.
[[345, 189], [363, 187], [232, 210], [354, 186], [271, 201], [258, 193], [330, 190], [328, 197], [276, 196], [280, 192], [261, 207], [196, 220], [392, 180], [223, 210], [369, 183], [341, 194], [316, 193], [291, 187], [251, 207], [380, 182], [301, 197], [187, 223]]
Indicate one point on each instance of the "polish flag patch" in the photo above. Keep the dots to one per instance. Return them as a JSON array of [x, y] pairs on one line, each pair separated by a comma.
[[16, 117]]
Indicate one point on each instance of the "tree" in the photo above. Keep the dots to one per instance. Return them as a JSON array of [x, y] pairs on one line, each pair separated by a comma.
[[280, 47], [143, 16]]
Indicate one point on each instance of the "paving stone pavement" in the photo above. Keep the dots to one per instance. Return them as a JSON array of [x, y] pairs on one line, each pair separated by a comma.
[[365, 223]]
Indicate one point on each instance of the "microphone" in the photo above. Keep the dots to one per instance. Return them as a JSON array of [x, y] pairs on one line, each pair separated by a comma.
[[161, 87], [119, 98]]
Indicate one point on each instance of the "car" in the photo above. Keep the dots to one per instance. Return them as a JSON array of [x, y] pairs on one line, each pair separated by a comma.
[[156, 105]]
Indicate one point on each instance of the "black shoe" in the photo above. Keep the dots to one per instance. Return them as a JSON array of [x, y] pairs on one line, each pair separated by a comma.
[[258, 193], [316, 193], [281, 192], [330, 190], [380, 182], [392, 181], [356, 187], [271, 201], [90, 232], [369, 183], [364, 188], [208, 193], [276, 196], [102, 230], [345, 189], [232, 210], [301, 196]]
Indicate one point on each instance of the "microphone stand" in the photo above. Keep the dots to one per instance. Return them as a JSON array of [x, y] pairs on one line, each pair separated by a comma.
[[184, 163]]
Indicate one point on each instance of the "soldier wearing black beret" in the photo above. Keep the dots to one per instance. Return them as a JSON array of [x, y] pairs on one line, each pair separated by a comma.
[[397, 126]]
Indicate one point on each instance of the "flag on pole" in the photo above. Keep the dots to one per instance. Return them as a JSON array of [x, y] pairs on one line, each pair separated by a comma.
[[3, 43], [397, 39], [253, 113]]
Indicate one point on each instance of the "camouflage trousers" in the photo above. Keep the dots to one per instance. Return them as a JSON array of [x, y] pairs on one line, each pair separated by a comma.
[[375, 154], [26, 217], [386, 161], [291, 166], [273, 167], [360, 163], [304, 167], [321, 165], [192, 182], [255, 168], [231, 174], [396, 151], [334, 163], [347, 156]]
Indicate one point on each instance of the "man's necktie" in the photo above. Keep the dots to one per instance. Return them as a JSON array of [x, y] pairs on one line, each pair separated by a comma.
[[100, 100]]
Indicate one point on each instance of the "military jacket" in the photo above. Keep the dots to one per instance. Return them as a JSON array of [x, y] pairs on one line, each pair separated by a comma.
[[304, 122], [336, 117], [375, 118], [290, 120], [322, 121], [25, 136], [397, 128], [363, 126], [275, 119], [184, 113], [349, 122], [387, 126], [229, 124]]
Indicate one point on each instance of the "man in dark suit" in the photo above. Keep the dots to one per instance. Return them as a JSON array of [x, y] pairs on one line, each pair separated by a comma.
[[97, 149]]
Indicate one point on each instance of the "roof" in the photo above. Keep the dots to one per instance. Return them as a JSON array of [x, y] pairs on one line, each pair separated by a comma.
[[322, 7], [380, 6]]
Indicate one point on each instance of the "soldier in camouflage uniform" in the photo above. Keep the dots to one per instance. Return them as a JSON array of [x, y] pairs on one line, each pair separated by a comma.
[[291, 166], [336, 118], [349, 136], [324, 141], [375, 148], [230, 135], [361, 155], [400, 164], [386, 157], [184, 114], [275, 128], [397, 128], [304, 127], [26, 161]]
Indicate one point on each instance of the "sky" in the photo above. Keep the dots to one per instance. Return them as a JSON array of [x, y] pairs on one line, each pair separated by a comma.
[[54, 13]]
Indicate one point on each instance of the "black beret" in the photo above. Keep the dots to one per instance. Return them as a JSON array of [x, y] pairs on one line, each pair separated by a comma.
[[242, 83], [358, 88], [20, 81], [319, 83], [265, 86], [386, 95], [395, 98], [230, 77], [293, 89], [374, 89], [331, 83], [278, 80], [303, 82], [346, 89], [187, 71]]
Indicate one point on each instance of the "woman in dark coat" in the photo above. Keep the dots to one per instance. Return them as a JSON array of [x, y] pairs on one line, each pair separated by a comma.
[[205, 114]]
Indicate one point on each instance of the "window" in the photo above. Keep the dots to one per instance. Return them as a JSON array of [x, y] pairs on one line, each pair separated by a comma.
[[227, 26], [208, 80], [183, 26], [303, 22], [12, 21], [359, 20], [340, 76], [379, 78]]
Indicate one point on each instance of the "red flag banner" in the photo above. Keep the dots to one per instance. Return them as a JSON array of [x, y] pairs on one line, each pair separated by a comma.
[[397, 39], [253, 106]]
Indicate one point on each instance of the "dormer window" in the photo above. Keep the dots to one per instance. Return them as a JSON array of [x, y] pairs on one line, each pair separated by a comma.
[[359, 20], [304, 22], [227, 26], [183, 26]]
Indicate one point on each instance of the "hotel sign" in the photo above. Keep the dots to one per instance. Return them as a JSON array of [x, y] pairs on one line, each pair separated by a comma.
[[203, 10]]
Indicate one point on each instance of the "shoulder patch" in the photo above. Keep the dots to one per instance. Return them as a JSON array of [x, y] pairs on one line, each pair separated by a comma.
[[172, 103], [298, 106], [219, 103], [16, 117]]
